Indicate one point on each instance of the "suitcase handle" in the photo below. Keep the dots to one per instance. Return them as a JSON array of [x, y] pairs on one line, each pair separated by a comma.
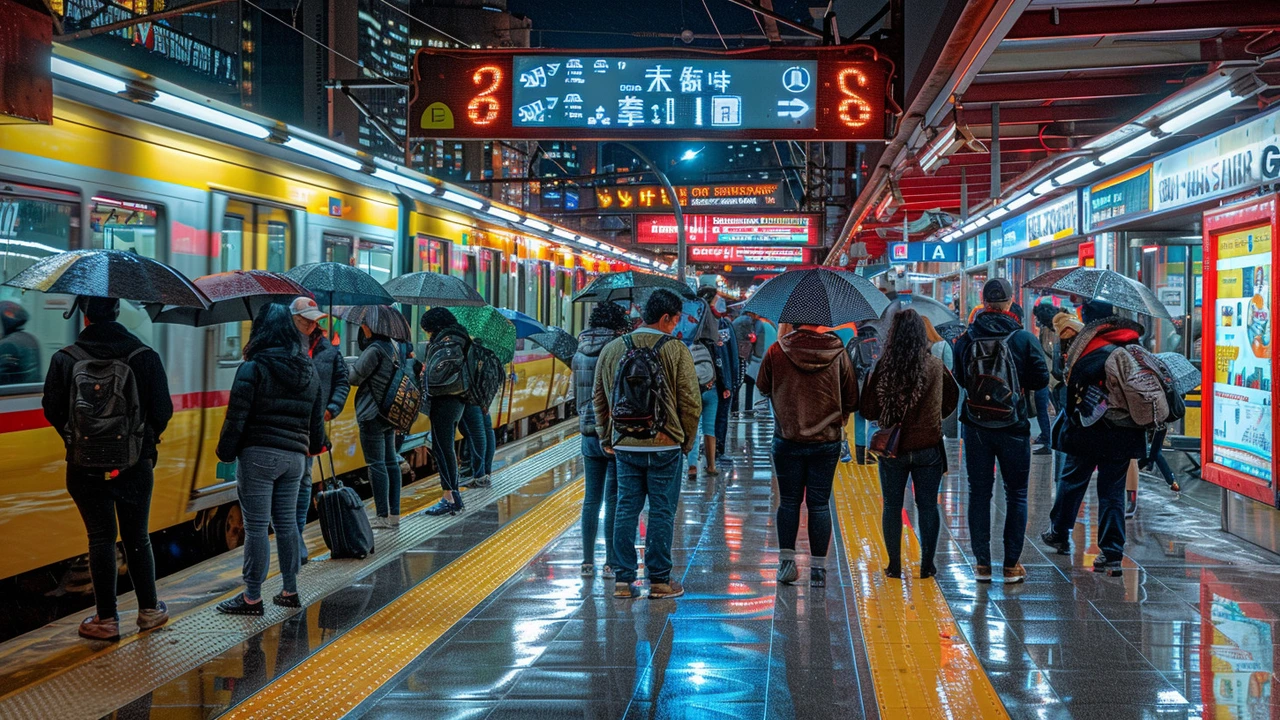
[[332, 482]]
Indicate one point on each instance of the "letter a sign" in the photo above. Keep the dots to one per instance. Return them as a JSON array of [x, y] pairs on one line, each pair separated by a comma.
[[924, 252]]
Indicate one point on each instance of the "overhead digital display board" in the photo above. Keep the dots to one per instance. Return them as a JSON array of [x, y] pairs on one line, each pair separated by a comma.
[[793, 230], [833, 93], [748, 254], [726, 196]]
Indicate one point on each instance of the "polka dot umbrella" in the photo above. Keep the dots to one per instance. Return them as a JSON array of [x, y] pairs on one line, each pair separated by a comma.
[[818, 296], [1106, 286]]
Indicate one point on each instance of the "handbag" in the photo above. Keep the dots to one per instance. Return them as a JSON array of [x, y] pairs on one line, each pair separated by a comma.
[[884, 442]]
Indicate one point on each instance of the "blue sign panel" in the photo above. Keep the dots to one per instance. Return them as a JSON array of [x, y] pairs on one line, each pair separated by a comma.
[[663, 93], [924, 252]]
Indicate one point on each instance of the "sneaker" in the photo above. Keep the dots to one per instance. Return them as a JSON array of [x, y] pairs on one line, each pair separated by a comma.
[[1113, 568], [607, 572], [483, 481], [239, 605], [588, 569], [1015, 574], [1175, 487], [152, 619], [665, 590], [893, 571], [1043, 450], [817, 577], [787, 572], [94, 628], [446, 506], [625, 591], [289, 601], [982, 573], [381, 522], [845, 455], [1057, 542]]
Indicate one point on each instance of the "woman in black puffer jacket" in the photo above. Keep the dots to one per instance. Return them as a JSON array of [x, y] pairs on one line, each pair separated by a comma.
[[275, 422]]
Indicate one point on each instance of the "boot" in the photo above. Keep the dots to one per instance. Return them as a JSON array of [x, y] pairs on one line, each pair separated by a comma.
[[709, 449]]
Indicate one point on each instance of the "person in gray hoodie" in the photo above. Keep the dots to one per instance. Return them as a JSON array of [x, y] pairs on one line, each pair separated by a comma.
[[608, 321]]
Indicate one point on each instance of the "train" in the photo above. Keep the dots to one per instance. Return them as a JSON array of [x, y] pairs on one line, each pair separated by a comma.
[[132, 163]]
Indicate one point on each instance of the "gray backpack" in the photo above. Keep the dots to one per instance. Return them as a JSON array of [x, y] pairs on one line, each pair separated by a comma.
[[704, 365], [105, 427]]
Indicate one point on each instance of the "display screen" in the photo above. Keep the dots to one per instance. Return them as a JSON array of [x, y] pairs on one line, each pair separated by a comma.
[[629, 92], [730, 197], [747, 254], [1242, 353], [730, 229]]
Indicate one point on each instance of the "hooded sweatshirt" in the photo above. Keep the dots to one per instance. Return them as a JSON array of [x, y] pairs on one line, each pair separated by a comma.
[[1028, 359], [809, 379], [590, 343], [276, 403]]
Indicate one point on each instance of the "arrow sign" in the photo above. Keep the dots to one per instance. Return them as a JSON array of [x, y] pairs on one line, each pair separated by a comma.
[[792, 108]]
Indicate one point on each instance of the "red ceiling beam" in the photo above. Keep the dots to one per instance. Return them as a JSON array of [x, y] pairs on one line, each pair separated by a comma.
[[1045, 90], [1093, 21], [1042, 115]]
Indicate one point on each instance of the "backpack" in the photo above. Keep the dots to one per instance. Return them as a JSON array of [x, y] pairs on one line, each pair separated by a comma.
[[639, 385], [105, 427], [1147, 385], [487, 375], [994, 399], [447, 372], [704, 365], [864, 353], [403, 399]]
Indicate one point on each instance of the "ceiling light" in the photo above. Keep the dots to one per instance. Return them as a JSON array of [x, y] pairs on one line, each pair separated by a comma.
[[204, 113], [85, 76], [1124, 150], [323, 153], [403, 181], [561, 232], [454, 197], [588, 242], [1021, 201], [998, 213], [501, 213], [537, 224], [1076, 173], [1044, 188], [1203, 111]]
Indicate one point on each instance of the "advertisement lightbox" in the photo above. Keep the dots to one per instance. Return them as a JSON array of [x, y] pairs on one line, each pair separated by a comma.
[[795, 230]]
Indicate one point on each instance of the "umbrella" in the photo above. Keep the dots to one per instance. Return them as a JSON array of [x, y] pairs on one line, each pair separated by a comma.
[[952, 330], [234, 296], [380, 319], [619, 285], [1185, 375], [559, 343], [818, 297], [338, 284], [525, 325], [433, 289], [110, 274], [1106, 286], [936, 312], [490, 327]]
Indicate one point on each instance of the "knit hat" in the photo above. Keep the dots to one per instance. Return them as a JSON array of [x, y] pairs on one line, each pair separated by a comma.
[[1064, 321]]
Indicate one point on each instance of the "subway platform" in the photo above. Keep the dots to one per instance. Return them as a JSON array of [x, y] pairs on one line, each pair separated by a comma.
[[485, 615]]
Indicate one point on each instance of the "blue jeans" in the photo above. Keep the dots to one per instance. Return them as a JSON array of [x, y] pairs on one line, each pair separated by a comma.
[[304, 506], [982, 448], [477, 430], [378, 441], [654, 476], [1042, 415], [1071, 489], [267, 481], [924, 469], [602, 488], [706, 423], [805, 473], [722, 422], [445, 414]]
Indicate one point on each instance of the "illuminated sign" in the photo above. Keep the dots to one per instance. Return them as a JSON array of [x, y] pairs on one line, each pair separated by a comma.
[[1236, 159], [835, 93], [731, 229], [654, 198], [1126, 195], [747, 254], [1054, 221], [924, 252]]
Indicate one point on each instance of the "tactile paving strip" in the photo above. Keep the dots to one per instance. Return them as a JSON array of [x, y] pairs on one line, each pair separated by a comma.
[[144, 662], [921, 665]]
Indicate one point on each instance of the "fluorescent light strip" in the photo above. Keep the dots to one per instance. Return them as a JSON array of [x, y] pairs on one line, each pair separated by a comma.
[[998, 213], [85, 76], [1203, 111], [322, 153], [403, 181], [588, 242], [1124, 150], [1021, 201], [502, 213], [1076, 173], [536, 224], [561, 232], [454, 197], [204, 113], [1044, 188]]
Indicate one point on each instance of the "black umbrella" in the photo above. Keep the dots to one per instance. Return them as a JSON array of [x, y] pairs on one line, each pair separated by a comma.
[[559, 343], [110, 274], [1106, 286], [338, 284], [937, 313], [234, 296], [433, 289], [818, 296], [619, 285], [380, 319]]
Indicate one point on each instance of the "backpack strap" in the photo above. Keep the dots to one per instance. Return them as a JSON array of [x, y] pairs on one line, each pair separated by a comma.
[[626, 340], [138, 351], [77, 353]]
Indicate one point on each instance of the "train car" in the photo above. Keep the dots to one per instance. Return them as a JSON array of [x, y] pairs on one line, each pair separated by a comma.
[[132, 163]]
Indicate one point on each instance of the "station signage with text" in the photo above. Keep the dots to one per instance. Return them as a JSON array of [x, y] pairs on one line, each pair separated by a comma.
[[924, 252], [795, 230], [747, 254], [1232, 161], [654, 198]]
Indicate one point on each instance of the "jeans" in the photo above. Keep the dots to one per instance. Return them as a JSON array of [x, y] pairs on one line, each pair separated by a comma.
[[304, 506], [126, 498], [378, 442], [805, 473], [445, 414], [477, 430], [706, 423], [654, 476], [1071, 489], [924, 469], [601, 488], [750, 382], [982, 448], [722, 422], [1042, 415], [267, 480]]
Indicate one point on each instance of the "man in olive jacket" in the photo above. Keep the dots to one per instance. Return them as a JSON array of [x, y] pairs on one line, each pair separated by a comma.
[[650, 468]]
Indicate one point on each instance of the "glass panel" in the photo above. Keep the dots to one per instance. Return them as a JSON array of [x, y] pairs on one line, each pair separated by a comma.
[[546, 290], [232, 258], [375, 259], [124, 225], [485, 267], [273, 239], [337, 248]]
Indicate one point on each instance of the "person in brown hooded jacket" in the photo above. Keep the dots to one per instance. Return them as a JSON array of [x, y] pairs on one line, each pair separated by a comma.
[[809, 379]]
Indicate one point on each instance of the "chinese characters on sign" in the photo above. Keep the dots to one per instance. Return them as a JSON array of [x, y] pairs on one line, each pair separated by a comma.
[[794, 230], [654, 198]]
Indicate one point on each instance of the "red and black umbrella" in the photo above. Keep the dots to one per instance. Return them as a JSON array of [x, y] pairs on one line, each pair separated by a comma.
[[235, 296]]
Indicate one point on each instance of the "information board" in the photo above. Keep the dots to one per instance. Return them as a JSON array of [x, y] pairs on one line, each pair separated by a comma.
[[747, 254], [794, 230], [1119, 197], [719, 196]]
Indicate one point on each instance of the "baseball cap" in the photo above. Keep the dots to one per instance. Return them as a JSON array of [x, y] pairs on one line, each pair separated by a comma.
[[307, 308], [997, 290]]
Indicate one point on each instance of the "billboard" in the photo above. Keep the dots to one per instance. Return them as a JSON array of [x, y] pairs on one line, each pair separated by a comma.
[[835, 93], [748, 254], [719, 196], [794, 230]]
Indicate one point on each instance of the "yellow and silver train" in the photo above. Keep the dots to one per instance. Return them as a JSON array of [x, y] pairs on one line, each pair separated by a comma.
[[132, 163]]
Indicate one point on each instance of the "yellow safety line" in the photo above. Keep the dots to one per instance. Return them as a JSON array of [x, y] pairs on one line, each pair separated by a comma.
[[921, 666], [337, 678]]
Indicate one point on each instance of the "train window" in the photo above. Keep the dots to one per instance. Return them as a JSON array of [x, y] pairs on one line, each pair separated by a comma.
[[433, 255], [337, 248], [254, 237], [487, 272], [125, 225], [464, 266], [375, 259], [522, 286], [546, 289]]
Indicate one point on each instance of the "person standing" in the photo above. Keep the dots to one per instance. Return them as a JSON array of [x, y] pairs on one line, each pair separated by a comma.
[[744, 335], [19, 349], [728, 367], [1067, 327], [121, 492], [911, 388], [702, 347], [608, 321], [1093, 443], [331, 370], [648, 422], [808, 377], [372, 374], [998, 364], [759, 331], [443, 368], [274, 425]]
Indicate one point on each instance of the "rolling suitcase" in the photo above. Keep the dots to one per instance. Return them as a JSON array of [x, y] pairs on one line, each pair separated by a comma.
[[343, 521]]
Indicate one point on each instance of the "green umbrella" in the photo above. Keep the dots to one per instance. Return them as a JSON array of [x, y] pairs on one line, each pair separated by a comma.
[[489, 326]]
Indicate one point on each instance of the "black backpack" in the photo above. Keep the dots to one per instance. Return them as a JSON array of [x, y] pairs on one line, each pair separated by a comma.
[[105, 427], [487, 375], [639, 385], [446, 372], [994, 399], [864, 353], [400, 405]]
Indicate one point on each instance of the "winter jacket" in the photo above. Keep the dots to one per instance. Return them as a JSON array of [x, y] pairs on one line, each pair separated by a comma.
[[275, 403], [922, 425], [371, 374], [19, 358], [728, 369], [682, 400], [104, 341], [809, 379], [590, 343], [1086, 367], [743, 326], [1028, 359], [331, 369]]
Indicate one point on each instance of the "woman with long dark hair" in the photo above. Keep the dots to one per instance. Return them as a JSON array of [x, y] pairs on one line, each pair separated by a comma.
[[275, 422], [911, 389]]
